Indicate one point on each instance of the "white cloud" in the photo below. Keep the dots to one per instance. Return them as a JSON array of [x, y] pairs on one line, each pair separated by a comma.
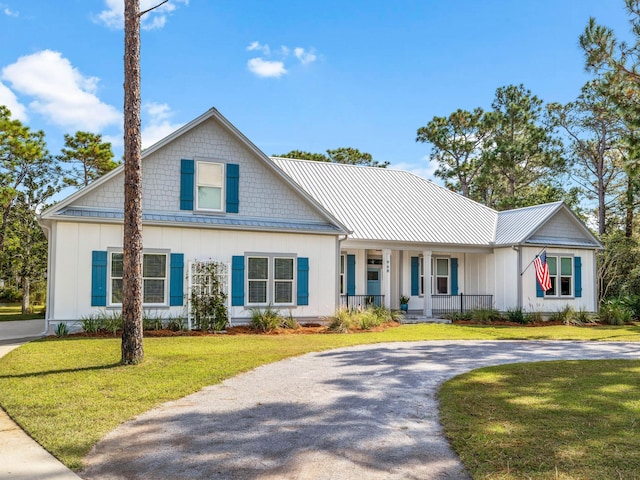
[[60, 92], [8, 12], [258, 46], [266, 68], [158, 125], [425, 169], [9, 100], [304, 56], [113, 15]]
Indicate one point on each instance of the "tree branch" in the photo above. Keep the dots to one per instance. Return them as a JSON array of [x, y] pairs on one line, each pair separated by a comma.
[[152, 8]]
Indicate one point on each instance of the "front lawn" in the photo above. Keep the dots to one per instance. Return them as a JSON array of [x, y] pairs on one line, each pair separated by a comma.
[[547, 420], [68, 393], [13, 311]]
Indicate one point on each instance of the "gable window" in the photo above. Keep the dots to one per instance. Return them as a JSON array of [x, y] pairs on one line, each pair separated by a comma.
[[154, 278], [561, 275], [270, 280], [209, 186]]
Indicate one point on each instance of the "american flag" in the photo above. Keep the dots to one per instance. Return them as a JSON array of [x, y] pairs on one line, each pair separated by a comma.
[[542, 271]]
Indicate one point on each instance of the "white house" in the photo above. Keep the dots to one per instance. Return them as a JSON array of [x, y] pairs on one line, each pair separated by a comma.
[[307, 237]]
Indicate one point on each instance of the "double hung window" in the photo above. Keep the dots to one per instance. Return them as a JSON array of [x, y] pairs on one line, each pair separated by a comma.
[[440, 278], [210, 186], [561, 275], [270, 280], [154, 278]]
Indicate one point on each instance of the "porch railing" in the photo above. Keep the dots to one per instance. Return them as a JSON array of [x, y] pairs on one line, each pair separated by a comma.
[[443, 304], [361, 301]]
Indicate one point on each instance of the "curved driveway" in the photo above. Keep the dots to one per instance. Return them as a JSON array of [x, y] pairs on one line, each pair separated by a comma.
[[365, 412]]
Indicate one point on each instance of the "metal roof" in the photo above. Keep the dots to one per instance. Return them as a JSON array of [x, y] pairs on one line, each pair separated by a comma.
[[392, 205], [516, 226], [205, 220]]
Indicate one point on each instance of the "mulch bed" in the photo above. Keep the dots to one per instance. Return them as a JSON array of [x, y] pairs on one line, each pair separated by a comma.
[[305, 329]]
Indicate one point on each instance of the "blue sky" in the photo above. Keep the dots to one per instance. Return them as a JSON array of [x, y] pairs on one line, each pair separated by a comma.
[[307, 75]]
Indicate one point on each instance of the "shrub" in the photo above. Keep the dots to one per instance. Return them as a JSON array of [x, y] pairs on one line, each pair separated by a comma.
[[367, 319], [457, 316], [516, 315], [533, 317], [112, 323], [615, 312], [582, 317], [564, 315], [10, 294], [176, 324], [342, 321], [62, 330], [289, 323], [265, 320], [90, 324], [485, 315], [152, 321]]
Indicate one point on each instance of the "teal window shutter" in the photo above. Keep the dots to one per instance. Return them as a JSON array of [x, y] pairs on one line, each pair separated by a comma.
[[186, 184], [539, 291], [233, 187], [415, 276], [237, 281], [303, 281], [351, 274], [176, 281], [454, 276], [98, 278], [577, 274]]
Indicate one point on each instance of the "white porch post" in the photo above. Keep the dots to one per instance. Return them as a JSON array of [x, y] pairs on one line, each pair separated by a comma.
[[386, 277], [428, 304]]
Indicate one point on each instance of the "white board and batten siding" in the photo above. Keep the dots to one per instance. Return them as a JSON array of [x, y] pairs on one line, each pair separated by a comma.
[[72, 295]]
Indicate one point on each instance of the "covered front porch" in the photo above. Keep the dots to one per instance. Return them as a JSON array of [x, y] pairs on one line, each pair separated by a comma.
[[434, 282]]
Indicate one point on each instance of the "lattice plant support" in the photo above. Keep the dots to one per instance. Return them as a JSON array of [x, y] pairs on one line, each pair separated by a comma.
[[207, 302]]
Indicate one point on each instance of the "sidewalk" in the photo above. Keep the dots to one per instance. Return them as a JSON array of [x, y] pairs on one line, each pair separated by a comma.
[[22, 457]]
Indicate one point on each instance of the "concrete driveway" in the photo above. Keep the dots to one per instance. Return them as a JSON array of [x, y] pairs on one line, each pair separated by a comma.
[[366, 412]]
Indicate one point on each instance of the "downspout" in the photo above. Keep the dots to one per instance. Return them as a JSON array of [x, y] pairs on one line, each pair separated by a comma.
[[519, 282]]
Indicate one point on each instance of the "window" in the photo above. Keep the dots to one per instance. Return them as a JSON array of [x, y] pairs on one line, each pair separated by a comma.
[[270, 280], [209, 185], [283, 280], [442, 276], [154, 278], [561, 275], [439, 278], [342, 274], [258, 277]]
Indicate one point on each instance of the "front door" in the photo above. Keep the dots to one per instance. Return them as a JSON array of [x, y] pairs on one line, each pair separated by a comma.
[[373, 284]]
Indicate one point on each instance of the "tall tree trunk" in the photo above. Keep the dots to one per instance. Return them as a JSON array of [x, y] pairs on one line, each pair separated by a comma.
[[26, 294], [132, 349], [628, 227], [602, 227]]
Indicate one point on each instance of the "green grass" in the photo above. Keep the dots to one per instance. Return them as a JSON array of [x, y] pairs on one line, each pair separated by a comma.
[[68, 393], [13, 312], [548, 420]]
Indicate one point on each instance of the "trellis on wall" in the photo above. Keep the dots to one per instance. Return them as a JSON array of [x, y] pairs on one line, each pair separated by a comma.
[[208, 295]]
